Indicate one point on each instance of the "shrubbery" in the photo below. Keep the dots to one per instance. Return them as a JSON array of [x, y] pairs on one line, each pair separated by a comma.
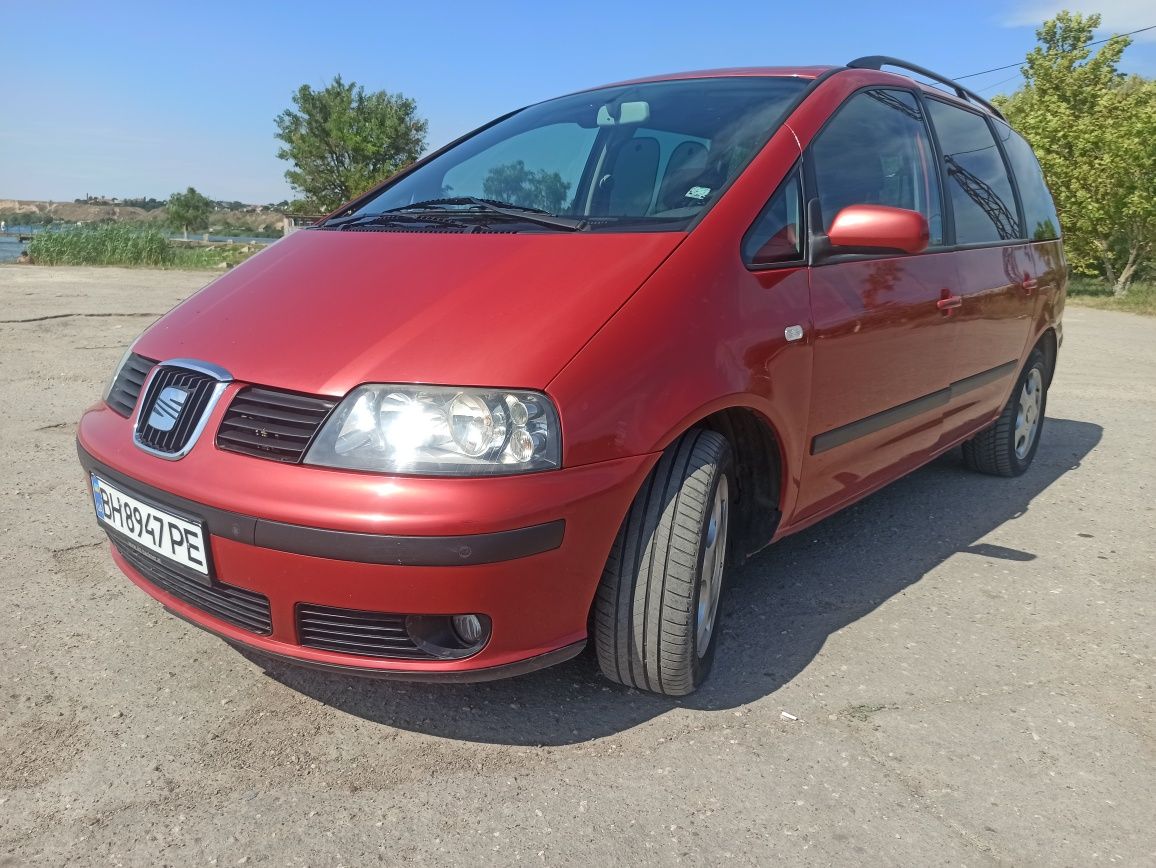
[[101, 244], [119, 244]]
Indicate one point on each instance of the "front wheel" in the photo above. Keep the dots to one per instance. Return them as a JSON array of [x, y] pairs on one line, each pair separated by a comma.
[[1008, 445], [657, 607]]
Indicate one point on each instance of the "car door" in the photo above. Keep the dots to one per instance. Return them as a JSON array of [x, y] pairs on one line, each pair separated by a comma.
[[882, 345], [999, 274]]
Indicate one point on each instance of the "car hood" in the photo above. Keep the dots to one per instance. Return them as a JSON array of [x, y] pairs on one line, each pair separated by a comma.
[[324, 311]]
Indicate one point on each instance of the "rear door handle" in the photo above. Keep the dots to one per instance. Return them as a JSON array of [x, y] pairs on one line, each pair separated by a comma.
[[1030, 284], [949, 303]]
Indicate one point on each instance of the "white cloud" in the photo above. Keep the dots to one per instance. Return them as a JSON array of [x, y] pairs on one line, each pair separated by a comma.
[[1118, 16]]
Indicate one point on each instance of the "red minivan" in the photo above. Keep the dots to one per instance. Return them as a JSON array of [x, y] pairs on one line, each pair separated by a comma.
[[547, 385]]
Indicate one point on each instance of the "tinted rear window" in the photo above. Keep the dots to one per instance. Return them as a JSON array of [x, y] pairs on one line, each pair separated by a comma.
[[977, 179], [1039, 209]]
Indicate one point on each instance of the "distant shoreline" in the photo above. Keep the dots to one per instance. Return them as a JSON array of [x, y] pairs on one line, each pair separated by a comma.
[[225, 222]]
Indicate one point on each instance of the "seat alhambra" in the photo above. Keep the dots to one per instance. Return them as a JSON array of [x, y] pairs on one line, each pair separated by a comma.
[[547, 386]]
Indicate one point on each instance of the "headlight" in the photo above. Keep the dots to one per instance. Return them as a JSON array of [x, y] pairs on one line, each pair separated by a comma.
[[438, 430]]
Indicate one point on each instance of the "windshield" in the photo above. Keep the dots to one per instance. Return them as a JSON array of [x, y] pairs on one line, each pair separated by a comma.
[[631, 158]]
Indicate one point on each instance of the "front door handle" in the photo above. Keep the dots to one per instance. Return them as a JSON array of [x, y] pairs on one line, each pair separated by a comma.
[[949, 303]]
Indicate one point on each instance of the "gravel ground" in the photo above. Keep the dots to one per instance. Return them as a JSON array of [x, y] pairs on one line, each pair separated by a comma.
[[969, 659]]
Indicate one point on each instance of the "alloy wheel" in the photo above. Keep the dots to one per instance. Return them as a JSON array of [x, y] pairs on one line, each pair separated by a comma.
[[713, 563], [1028, 413]]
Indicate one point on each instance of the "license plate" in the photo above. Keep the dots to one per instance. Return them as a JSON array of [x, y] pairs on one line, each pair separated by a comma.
[[174, 538]]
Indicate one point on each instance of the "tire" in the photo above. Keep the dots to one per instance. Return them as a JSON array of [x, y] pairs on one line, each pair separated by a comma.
[[655, 619], [1008, 445]]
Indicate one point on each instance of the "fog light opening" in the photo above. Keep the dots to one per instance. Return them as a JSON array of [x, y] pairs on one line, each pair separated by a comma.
[[449, 636]]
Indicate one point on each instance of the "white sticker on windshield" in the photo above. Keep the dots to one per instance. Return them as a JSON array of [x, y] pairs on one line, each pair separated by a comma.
[[698, 192]]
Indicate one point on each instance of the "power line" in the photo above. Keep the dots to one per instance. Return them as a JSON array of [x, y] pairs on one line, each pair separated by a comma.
[[997, 84], [1024, 63]]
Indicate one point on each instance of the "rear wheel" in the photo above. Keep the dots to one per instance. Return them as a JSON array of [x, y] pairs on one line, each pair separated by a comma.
[[657, 608], [1008, 445]]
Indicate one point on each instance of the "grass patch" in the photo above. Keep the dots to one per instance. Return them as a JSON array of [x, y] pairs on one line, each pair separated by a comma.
[[216, 256], [107, 244], [117, 244], [1089, 292]]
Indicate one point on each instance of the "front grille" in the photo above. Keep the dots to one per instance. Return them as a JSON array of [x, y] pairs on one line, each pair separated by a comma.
[[127, 385], [353, 631], [246, 609], [183, 415], [272, 424]]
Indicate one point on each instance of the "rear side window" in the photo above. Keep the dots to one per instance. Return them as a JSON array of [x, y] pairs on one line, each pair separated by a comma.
[[977, 180], [777, 236], [1039, 209], [876, 151]]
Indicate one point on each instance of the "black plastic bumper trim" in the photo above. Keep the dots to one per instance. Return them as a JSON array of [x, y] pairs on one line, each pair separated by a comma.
[[365, 548], [410, 551], [455, 676]]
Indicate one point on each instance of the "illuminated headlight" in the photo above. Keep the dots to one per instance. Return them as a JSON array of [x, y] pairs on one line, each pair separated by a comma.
[[437, 430]]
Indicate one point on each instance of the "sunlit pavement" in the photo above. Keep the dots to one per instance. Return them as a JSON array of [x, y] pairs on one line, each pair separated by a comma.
[[966, 664]]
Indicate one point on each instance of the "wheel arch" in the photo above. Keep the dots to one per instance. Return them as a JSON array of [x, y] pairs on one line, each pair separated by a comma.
[[759, 481], [761, 461], [1048, 344], [762, 482]]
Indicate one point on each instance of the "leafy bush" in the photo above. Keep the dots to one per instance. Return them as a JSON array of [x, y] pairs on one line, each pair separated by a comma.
[[26, 218], [103, 244]]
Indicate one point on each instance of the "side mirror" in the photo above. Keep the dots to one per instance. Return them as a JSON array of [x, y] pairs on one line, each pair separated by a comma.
[[878, 229]]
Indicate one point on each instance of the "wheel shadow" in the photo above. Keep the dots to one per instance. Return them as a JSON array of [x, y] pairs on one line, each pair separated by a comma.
[[797, 592]]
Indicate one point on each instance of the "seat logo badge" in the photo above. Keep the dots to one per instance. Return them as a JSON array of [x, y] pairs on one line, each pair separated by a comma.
[[167, 408], [793, 333]]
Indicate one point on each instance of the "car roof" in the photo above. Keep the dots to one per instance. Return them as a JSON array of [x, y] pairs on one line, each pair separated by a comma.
[[808, 72], [870, 65]]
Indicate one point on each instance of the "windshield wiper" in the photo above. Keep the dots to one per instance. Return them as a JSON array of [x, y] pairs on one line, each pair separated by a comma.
[[386, 218], [492, 206]]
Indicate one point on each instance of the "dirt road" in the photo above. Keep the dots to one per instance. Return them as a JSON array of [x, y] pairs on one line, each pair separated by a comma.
[[971, 662]]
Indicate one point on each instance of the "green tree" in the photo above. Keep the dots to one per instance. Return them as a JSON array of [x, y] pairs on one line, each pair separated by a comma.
[[342, 141], [1094, 131], [514, 183], [189, 210]]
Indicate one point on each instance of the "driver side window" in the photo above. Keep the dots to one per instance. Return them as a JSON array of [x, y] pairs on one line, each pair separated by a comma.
[[877, 151]]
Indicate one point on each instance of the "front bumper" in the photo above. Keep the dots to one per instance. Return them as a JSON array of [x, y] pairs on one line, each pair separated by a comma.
[[527, 551]]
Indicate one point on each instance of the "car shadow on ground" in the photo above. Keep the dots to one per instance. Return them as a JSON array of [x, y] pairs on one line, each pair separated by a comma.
[[778, 611]]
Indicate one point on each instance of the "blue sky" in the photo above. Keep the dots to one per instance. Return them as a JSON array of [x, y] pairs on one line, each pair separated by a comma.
[[132, 98]]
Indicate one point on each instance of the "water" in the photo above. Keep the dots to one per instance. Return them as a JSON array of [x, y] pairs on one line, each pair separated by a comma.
[[10, 249]]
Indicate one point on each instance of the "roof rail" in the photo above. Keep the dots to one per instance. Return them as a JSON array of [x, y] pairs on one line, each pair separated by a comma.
[[878, 61]]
